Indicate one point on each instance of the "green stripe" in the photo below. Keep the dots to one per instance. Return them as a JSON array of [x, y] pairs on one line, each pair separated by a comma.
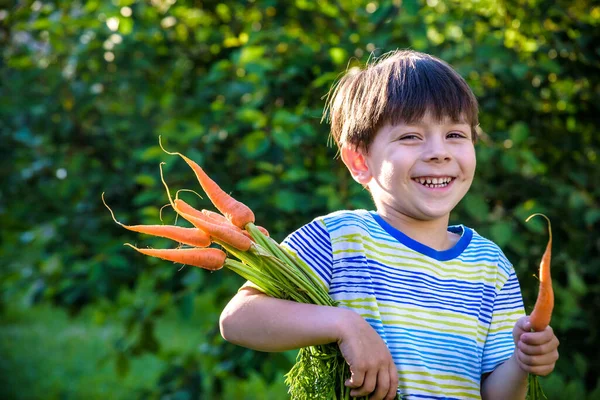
[[443, 314], [444, 377], [469, 328], [441, 389], [509, 313]]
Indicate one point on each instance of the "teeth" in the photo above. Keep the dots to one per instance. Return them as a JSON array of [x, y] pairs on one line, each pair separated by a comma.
[[434, 182]]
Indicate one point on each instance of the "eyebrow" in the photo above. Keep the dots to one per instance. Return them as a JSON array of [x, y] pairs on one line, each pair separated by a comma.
[[421, 124]]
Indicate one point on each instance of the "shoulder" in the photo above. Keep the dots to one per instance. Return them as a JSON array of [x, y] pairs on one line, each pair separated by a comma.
[[484, 249], [485, 245], [334, 224], [345, 220]]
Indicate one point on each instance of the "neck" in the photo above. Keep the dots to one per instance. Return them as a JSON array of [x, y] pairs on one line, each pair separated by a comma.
[[432, 233]]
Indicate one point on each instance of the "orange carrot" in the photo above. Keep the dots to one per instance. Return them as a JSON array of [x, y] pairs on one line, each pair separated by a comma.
[[186, 208], [215, 218], [219, 218], [238, 213], [190, 236], [228, 234], [542, 312], [207, 258]]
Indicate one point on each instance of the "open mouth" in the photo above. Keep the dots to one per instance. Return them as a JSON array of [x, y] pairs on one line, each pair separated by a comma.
[[434, 182]]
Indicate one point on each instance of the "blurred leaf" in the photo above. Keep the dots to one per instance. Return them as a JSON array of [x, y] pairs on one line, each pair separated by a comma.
[[257, 183], [122, 364], [145, 180], [519, 132], [255, 144], [476, 206], [186, 305], [501, 232], [338, 55]]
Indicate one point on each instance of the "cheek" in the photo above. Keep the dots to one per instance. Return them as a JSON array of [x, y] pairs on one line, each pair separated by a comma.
[[387, 171], [468, 162], [391, 173]]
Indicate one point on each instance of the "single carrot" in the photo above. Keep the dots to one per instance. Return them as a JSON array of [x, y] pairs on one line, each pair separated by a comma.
[[238, 213], [228, 234], [186, 208], [190, 236], [215, 218], [542, 311], [219, 218], [207, 258]]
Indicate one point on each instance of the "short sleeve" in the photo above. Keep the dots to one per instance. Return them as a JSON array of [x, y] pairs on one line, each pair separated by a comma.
[[312, 245], [507, 309]]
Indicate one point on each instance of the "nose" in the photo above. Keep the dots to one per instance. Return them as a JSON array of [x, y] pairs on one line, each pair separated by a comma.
[[436, 150]]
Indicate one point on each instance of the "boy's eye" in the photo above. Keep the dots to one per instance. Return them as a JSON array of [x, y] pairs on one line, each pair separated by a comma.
[[455, 135], [408, 136]]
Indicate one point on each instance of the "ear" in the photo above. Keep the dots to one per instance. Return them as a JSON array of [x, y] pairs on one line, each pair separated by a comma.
[[356, 163]]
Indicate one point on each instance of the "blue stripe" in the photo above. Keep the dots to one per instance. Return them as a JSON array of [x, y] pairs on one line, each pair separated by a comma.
[[429, 397]]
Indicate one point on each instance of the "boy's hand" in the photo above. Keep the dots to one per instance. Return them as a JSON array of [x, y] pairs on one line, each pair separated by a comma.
[[536, 352], [373, 370]]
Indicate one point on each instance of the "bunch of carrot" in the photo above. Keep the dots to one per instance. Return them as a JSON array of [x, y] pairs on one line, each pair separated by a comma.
[[246, 249], [542, 311]]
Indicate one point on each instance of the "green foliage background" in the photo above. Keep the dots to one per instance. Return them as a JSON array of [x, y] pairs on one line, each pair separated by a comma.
[[86, 88]]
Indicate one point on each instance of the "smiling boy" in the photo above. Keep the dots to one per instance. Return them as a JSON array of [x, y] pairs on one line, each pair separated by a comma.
[[429, 311]]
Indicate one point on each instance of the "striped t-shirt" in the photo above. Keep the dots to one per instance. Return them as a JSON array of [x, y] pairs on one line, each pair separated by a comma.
[[446, 316]]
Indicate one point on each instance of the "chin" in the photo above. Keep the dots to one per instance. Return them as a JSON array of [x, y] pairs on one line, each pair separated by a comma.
[[432, 215]]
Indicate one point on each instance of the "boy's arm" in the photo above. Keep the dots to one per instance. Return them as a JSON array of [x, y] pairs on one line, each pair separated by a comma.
[[535, 352], [254, 320], [507, 381]]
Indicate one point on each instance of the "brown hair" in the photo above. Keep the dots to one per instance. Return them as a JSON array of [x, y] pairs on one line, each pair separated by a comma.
[[400, 86]]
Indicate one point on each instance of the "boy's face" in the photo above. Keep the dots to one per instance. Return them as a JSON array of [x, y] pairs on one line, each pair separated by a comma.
[[420, 170]]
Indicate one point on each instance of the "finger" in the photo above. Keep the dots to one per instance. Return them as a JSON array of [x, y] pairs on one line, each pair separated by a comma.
[[538, 349], [521, 326], [357, 377], [367, 387], [541, 370], [383, 385], [393, 373], [545, 359], [538, 338], [524, 324], [538, 360]]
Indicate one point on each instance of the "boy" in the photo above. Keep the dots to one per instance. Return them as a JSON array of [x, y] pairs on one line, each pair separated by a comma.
[[427, 310]]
